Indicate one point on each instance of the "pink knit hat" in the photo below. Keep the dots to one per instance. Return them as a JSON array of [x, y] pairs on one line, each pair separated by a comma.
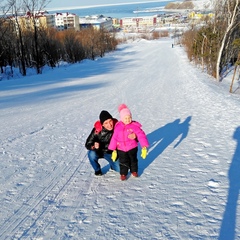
[[123, 111]]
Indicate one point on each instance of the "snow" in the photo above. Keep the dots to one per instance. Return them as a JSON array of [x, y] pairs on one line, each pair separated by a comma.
[[203, 4], [189, 183]]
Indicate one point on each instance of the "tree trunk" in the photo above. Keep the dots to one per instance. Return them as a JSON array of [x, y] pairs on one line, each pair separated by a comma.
[[235, 69], [228, 30]]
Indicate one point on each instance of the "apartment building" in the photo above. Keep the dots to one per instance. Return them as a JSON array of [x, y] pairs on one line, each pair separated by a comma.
[[64, 21], [145, 21], [28, 21], [97, 22]]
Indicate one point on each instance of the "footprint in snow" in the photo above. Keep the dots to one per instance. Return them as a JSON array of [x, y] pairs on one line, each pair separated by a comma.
[[213, 184]]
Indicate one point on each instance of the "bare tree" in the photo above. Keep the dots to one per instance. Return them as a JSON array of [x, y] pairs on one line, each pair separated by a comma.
[[25, 43], [229, 11], [51, 47], [33, 8], [14, 9], [11, 35], [74, 51], [236, 44]]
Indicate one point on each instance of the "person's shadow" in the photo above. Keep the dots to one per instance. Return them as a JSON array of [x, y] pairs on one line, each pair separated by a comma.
[[227, 230], [161, 138]]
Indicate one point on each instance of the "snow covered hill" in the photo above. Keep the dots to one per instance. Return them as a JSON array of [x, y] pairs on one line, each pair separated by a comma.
[[203, 4], [189, 183]]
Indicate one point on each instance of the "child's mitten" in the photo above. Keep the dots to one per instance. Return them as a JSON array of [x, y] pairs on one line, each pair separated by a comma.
[[144, 152], [114, 155]]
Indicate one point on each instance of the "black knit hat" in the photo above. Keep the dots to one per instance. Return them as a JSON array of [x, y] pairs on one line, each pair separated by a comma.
[[104, 115]]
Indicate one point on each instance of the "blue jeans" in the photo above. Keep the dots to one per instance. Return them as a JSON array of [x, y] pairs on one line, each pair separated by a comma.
[[93, 158]]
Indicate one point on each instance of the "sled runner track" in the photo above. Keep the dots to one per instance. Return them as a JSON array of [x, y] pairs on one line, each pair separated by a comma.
[[24, 218]]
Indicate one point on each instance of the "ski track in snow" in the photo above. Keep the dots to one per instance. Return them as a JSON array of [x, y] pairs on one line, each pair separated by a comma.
[[47, 187]]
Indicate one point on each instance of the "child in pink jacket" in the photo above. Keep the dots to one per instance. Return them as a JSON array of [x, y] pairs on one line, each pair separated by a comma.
[[127, 147]]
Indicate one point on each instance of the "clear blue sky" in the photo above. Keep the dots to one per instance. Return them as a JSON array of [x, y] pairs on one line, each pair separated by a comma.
[[56, 4]]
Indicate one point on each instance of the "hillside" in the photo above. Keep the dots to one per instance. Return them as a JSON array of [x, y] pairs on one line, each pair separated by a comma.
[[203, 4], [188, 186], [193, 4]]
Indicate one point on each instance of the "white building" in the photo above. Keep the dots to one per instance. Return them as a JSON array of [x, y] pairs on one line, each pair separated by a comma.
[[66, 21], [138, 22], [96, 21]]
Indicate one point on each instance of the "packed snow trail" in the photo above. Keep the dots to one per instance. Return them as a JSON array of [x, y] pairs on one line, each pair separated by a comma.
[[188, 185]]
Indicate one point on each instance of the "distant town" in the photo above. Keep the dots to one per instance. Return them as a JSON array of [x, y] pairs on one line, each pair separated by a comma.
[[67, 20]]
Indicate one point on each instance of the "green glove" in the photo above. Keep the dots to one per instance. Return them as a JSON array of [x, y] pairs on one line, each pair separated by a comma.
[[144, 152], [114, 155]]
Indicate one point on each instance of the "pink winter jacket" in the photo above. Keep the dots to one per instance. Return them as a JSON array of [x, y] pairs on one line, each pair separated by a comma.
[[120, 138]]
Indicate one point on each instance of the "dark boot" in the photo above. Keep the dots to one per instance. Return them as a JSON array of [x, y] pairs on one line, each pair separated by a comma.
[[98, 173]]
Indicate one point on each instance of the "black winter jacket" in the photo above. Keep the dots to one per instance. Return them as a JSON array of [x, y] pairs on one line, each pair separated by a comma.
[[102, 136]]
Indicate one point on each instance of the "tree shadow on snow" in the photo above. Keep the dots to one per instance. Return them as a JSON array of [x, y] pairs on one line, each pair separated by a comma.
[[227, 230], [161, 138]]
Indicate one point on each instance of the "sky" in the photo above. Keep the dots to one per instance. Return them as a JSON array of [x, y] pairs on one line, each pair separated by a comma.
[[188, 186], [56, 4]]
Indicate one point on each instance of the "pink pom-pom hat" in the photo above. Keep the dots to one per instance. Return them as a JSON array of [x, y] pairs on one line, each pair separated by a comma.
[[123, 111]]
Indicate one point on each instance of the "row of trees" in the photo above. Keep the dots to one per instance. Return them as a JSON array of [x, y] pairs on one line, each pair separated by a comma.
[[214, 44], [39, 46]]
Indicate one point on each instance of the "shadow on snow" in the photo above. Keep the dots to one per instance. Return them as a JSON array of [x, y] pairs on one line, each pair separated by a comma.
[[66, 81], [227, 230], [161, 138]]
